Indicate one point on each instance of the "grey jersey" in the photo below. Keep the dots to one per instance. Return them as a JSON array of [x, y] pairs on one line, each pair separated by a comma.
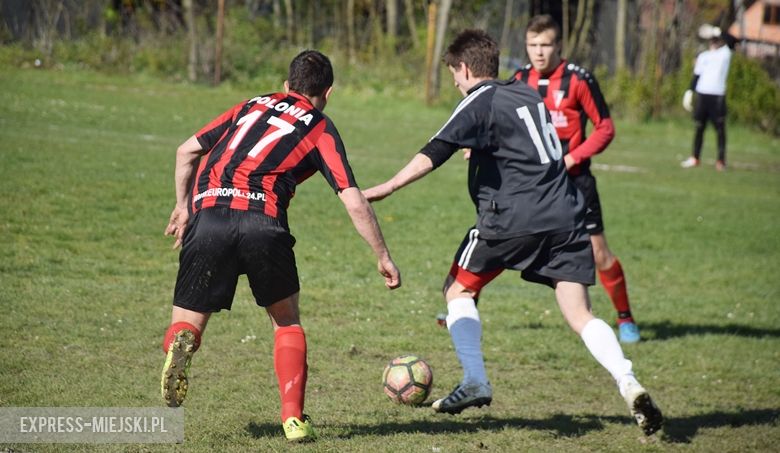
[[517, 178]]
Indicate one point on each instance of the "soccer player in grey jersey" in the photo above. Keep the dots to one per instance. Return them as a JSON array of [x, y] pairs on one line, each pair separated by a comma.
[[529, 219]]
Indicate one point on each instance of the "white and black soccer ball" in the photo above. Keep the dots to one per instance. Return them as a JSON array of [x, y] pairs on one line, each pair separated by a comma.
[[408, 379]]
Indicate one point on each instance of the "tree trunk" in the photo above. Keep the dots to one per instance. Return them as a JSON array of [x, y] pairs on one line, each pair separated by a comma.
[[430, 41], [441, 32], [192, 57], [351, 31], [375, 22], [277, 14], [620, 35], [672, 48], [46, 15], [584, 41], [507, 28], [410, 22], [565, 26], [338, 26], [740, 19], [290, 16], [392, 20], [218, 49], [573, 42], [311, 18]]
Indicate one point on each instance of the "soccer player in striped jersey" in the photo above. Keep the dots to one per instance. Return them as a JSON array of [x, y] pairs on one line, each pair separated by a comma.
[[572, 95], [530, 218], [234, 180]]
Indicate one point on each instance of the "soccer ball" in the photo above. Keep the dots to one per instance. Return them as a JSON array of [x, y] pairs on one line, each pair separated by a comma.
[[408, 379]]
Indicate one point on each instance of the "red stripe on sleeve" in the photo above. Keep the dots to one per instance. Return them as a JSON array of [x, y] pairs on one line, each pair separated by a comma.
[[210, 134], [327, 146], [603, 127]]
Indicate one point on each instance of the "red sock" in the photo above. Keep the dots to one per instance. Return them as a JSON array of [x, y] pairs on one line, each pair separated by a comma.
[[174, 328], [291, 369], [615, 285]]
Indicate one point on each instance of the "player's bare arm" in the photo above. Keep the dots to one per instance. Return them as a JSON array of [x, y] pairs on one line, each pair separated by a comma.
[[419, 166], [365, 222], [187, 157]]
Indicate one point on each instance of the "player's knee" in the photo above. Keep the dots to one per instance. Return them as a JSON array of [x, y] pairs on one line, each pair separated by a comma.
[[284, 312], [454, 290], [447, 284], [604, 258]]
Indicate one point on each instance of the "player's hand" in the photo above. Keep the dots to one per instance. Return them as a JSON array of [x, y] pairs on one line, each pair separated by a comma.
[[378, 192], [568, 161], [688, 100], [466, 153], [177, 225], [391, 273]]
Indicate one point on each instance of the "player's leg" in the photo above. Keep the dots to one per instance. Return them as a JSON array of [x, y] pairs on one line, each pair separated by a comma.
[[268, 259], [206, 283], [465, 330], [181, 340], [608, 266], [700, 122], [613, 279], [720, 128], [600, 340], [460, 291], [291, 367], [698, 139]]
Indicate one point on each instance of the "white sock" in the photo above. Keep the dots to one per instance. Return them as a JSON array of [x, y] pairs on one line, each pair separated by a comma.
[[466, 333], [603, 344]]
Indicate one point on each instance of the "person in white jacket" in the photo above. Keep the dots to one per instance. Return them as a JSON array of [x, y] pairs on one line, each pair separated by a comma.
[[709, 84]]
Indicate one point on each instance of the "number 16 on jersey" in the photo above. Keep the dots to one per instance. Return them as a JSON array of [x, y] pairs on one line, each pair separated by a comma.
[[552, 144]]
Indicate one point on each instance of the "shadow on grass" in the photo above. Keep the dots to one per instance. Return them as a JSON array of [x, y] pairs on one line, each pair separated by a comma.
[[562, 425], [684, 429], [676, 430], [667, 330]]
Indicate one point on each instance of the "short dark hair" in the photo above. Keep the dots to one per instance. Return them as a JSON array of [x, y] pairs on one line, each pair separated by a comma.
[[544, 22], [310, 73], [475, 48]]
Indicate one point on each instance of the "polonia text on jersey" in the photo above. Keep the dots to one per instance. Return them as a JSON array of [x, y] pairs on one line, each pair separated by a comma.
[[284, 107]]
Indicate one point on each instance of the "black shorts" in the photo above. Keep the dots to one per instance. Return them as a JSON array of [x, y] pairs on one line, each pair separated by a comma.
[[222, 243], [709, 107], [586, 183], [541, 258]]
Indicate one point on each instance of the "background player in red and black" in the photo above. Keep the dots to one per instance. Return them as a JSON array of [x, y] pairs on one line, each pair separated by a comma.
[[529, 218], [573, 97], [234, 181]]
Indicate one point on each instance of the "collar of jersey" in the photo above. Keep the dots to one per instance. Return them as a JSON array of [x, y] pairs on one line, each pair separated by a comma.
[[300, 96], [550, 74], [480, 85]]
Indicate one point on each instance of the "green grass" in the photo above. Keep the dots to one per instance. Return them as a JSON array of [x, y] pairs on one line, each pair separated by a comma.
[[86, 166]]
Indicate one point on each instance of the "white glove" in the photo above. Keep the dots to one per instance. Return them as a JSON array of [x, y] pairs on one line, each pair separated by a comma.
[[688, 100]]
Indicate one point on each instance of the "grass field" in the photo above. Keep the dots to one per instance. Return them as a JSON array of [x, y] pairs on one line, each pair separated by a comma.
[[86, 166]]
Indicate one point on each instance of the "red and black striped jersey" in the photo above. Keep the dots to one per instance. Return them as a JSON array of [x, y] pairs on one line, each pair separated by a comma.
[[572, 95], [259, 150]]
